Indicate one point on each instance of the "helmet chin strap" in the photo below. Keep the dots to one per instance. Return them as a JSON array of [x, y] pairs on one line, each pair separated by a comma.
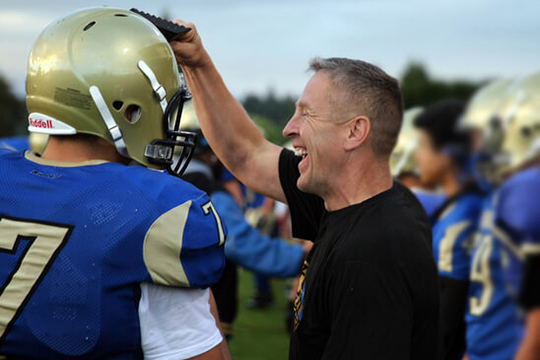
[[159, 90], [114, 130]]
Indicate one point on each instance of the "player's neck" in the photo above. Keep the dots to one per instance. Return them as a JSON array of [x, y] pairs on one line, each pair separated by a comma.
[[451, 185], [67, 149]]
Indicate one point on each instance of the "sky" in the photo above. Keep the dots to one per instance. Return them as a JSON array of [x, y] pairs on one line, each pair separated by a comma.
[[262, 45]]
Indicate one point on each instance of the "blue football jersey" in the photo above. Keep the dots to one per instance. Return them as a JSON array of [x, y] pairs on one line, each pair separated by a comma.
[[430, 201], [453, 234], [77, 240], [517, 220], [494, 329], [16, 143]]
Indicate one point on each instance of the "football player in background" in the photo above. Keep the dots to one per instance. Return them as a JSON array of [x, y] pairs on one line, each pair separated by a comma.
[[442, 156], [494, 329], [517, 211], [96, 256], [405, 168]]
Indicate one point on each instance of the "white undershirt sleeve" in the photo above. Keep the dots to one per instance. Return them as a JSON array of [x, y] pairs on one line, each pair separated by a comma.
[[176, 323]]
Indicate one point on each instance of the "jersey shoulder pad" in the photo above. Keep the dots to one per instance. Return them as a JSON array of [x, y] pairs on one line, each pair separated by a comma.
[[184, 244], [517, 202]]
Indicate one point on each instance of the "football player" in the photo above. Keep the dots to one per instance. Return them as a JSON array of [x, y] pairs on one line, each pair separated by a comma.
[[96, 256], [493, 322], [442, 156], [517, 210], [404, 167]]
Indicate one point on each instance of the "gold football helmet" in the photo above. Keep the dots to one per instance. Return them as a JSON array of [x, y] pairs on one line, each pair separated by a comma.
[[402, 157], [110, 73], [517, 126], [481, 109], [483, 104]]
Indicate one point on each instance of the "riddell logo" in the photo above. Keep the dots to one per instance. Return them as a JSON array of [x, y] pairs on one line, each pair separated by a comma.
[[47, 124]]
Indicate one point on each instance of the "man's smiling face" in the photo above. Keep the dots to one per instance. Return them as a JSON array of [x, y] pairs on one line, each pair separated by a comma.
[[316, 135]]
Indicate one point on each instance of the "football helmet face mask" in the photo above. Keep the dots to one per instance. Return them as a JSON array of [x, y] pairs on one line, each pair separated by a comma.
[[513, 135], [483, 104], [480, 119], [110, 73]]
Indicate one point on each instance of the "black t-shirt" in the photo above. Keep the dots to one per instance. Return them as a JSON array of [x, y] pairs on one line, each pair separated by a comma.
[[371, 287]]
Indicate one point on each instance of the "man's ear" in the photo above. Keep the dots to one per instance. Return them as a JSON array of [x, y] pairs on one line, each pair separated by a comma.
[[358, 130]]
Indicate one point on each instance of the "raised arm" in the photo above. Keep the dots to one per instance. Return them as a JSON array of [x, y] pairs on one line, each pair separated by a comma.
[[235, 139]]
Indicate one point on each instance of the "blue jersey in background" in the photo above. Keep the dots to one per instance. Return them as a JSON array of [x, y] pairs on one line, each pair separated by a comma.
[[494, 328]]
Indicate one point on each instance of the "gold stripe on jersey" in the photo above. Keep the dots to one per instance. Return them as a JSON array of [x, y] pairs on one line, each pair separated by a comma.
[[162, 246], [530, 249]]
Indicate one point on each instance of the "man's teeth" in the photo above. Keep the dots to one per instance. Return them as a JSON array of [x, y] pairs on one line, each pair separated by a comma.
[[300, 152]]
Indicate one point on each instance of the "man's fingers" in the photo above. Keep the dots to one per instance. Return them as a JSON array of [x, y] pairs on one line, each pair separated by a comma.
[[188, 36], [188, 48]]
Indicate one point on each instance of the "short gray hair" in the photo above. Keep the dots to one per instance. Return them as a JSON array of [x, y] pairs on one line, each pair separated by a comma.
[[365, 88]]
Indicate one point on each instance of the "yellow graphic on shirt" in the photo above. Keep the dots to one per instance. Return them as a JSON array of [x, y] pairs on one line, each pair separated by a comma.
[[299, 300]]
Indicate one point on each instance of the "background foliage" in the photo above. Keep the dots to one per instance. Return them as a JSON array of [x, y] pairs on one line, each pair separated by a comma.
[[269, 111]]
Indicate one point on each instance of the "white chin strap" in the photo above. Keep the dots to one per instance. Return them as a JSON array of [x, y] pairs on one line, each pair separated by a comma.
[[159, 90], [107, 117]]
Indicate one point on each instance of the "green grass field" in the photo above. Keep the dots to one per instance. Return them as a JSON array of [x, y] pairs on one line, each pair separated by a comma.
[[260, 334]]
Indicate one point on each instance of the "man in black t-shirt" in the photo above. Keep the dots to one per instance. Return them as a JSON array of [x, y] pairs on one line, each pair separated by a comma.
[[369, 288]]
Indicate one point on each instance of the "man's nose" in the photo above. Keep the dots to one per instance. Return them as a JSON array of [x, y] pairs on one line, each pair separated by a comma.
[[290, 129]]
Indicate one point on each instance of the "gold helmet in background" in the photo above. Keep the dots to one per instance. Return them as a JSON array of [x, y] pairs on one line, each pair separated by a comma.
[[189, 117], [109, 73], [517, 126], [402, 157], [481, 109], [483, 104]]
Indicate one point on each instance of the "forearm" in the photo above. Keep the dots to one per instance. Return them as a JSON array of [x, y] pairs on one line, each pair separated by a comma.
[[266, 256], [226, 125], [235, 139], [530, 300], [530, 347], [251, 249], [225, 353]]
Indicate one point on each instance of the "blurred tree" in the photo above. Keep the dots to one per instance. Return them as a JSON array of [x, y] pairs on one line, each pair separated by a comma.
[[419, 89], [270, 130], [277, 110], [13, 112]]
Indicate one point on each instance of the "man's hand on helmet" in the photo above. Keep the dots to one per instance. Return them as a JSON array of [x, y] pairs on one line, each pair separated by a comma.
[[188, 48]]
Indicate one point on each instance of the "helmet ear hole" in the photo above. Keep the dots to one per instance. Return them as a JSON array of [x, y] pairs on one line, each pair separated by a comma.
[[526, 132], [132, 113], [89, 25], [117, 105]]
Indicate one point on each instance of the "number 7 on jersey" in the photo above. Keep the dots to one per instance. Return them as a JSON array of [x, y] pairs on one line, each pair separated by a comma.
[[46, 241]]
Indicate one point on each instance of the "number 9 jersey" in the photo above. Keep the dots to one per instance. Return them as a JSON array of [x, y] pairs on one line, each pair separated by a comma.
[[76, 241], [494, 328]]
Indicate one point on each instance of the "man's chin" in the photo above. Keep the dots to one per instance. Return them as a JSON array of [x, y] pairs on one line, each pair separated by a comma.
[[303, 185]]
